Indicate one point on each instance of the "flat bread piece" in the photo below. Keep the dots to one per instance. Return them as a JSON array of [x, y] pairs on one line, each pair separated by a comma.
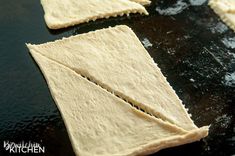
[[115, 59], [99, 123], [65, 13], [226, 11]]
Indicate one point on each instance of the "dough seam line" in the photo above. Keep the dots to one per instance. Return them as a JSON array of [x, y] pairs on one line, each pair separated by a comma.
[[115, 93]]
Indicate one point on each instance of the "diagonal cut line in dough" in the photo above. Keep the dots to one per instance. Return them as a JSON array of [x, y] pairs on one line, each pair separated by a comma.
[[99, 123], [225, 9], [65, 13], [120, 97], [115, 59]]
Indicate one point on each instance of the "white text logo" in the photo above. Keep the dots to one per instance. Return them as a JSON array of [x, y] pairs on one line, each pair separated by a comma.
[[23, 147]]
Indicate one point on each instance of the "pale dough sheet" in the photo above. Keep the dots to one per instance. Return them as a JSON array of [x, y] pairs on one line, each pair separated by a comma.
[[65, 13], [116, 60], [101, 124], [226, 10]]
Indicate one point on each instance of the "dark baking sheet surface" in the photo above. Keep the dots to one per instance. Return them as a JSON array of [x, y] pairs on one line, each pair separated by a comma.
[[193, 48]]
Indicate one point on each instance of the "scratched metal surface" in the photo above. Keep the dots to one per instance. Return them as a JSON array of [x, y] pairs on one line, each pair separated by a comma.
[[194, 49]]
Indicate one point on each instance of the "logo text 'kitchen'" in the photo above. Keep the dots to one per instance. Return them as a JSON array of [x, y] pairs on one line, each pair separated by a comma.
[[23, 147]]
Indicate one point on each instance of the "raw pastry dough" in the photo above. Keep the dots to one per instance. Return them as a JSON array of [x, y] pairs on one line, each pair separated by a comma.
[[65, 13], [226, 10], [115, 59], [99, 123]]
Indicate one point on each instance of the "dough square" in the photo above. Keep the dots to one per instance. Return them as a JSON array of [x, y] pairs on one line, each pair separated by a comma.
[[96, 77], [65, 13]]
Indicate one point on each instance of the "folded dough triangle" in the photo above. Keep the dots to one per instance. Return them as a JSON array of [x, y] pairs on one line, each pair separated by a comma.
[[115, 59], [226, 10], [100, 123], [65, 13]]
